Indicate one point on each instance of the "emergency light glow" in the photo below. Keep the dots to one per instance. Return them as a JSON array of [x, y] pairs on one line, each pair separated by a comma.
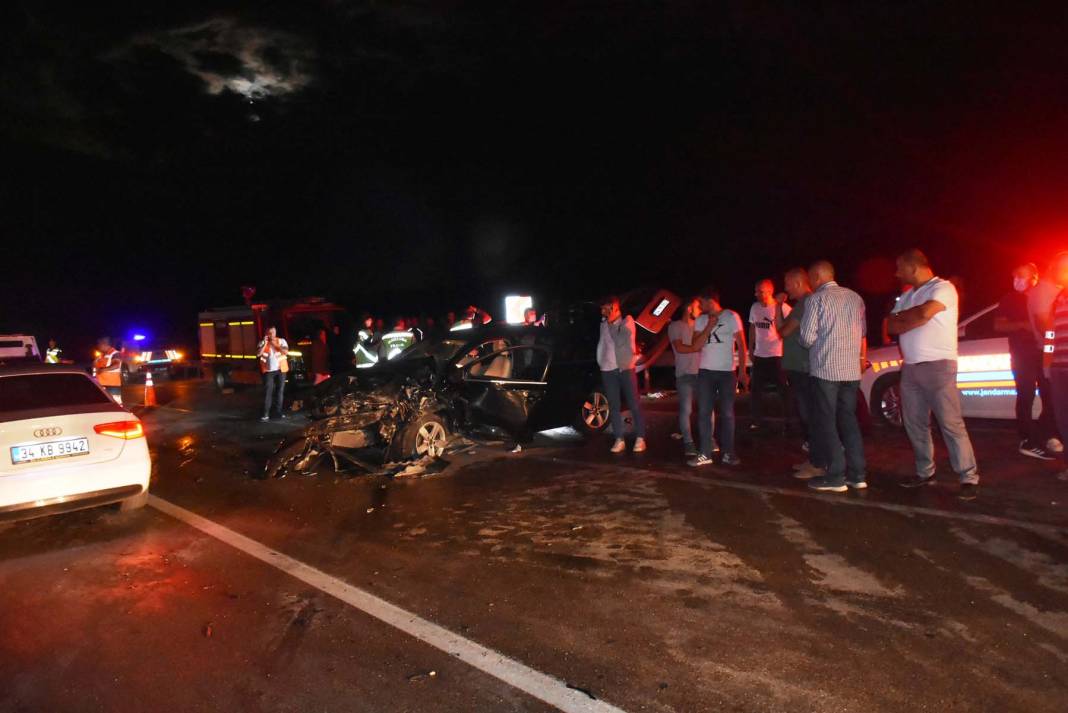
[[139, 337], [461, 326], [515, 306]]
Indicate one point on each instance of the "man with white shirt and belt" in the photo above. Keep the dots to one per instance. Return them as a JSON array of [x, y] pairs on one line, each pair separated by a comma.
[[617, 354], [925, 320]]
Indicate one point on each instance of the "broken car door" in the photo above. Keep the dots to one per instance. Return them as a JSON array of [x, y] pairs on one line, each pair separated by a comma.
[[502, 388]]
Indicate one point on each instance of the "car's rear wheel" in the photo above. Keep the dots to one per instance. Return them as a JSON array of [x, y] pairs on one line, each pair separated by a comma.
[[886, 400], [221, 377], [594, 413], [427, 436], [134, 503]]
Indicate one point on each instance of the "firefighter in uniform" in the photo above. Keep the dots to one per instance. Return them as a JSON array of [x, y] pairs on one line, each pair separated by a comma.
[[108, 368], [52, 354], [366, 350]]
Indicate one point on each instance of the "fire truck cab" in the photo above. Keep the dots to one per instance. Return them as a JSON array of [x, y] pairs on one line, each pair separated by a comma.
[[229, 336]]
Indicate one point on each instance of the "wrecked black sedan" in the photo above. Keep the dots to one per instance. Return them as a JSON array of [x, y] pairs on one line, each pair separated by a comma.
[[500, 381]]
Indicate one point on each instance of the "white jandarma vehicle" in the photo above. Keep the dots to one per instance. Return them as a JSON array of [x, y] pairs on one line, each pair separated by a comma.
[[984, 374], [66, 445]]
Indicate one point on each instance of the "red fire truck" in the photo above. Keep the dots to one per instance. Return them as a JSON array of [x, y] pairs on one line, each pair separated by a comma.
[[229, 336]]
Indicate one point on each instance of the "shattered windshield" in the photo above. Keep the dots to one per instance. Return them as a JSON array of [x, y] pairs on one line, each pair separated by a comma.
[[440, 349]]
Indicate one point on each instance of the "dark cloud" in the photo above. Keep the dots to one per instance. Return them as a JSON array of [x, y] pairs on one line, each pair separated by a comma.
[[251, 61]]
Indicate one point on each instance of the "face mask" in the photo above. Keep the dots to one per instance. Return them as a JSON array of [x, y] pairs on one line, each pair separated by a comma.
[[1020, 284]]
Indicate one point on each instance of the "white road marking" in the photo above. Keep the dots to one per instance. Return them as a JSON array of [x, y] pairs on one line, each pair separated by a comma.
[[1055, 532], [539, 685]]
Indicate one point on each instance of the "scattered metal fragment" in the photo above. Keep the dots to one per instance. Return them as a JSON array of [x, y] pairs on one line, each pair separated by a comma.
[[417, 677], [580, 689]]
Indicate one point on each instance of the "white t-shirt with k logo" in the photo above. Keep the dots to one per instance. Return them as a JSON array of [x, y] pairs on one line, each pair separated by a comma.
[[718, 352]]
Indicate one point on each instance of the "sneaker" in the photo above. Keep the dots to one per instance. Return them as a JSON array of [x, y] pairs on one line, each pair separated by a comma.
[[857, 484], [1029, 449], [1054, 445], [689, 450], [699, 460], [827, 484], [619, 446], [804, 446], [968, 491], [731, 459], [808, 471], [639, 445], [917, 481], [517, 449], [282, 416], [265, 418]]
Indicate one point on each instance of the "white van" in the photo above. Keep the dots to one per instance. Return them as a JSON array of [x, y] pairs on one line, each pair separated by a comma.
[[18, 349]]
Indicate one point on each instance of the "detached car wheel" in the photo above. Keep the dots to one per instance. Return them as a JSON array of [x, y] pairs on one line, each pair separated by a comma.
[[593, 414], [427, 436], [886, 400]]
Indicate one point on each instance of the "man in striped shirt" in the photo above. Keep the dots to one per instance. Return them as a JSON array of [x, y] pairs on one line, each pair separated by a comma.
[[1057, 352], [834, 330]]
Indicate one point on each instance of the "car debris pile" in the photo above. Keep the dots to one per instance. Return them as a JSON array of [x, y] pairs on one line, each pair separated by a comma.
[[375, 431]]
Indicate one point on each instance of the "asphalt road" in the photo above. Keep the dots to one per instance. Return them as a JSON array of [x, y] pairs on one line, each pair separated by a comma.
[[558, 578]]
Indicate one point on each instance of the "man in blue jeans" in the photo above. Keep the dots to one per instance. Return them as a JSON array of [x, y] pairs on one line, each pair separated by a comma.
[[719, 333], [617, 353], [834, 330], [687, 364]]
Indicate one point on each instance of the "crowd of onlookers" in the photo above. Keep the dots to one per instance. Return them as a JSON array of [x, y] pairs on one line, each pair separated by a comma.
[[809, 344]]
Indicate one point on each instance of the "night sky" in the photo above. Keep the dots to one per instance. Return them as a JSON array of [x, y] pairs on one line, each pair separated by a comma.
[[419, 155]]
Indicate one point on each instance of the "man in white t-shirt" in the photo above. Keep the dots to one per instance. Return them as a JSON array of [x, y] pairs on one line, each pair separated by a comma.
[[766, 341], [925, 320], [272, 351], [718, 332], [687, 363]]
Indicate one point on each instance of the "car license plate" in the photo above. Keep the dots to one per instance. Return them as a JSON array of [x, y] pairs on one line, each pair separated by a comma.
[[49, 451]]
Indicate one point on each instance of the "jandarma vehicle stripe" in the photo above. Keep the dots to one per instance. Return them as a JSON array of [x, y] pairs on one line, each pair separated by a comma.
[[542, 686]]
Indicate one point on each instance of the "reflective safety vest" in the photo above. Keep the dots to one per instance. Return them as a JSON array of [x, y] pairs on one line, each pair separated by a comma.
[[52, 355], [108, 368], [394, 343], [364, 356]]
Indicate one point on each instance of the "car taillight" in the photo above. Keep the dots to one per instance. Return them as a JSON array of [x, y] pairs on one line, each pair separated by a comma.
[[126, 430]]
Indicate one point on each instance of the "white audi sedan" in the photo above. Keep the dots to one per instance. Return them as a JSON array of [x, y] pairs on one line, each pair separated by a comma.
[[66, 445]]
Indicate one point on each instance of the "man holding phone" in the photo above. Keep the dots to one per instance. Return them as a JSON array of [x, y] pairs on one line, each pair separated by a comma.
[[274, 365]]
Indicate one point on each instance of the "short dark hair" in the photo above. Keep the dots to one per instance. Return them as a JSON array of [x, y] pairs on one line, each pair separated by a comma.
[[797, 272], [609, 300], [1029, 266], [914, 257], [709, 293]]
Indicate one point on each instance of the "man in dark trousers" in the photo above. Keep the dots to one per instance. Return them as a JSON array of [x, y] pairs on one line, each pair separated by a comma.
[[1011, 319]]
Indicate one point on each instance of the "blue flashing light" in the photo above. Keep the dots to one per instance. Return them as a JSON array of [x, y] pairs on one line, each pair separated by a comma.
[[139, 337]]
